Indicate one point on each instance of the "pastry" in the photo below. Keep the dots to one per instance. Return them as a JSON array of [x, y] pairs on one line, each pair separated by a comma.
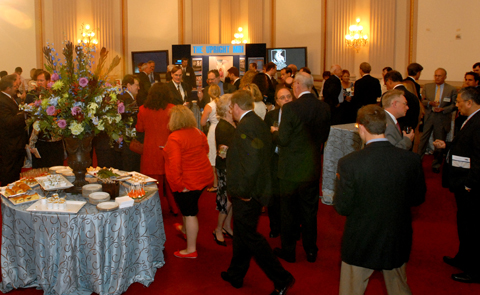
[[9, 192]]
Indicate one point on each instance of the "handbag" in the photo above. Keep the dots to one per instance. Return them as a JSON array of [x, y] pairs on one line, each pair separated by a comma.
[[136, 146]]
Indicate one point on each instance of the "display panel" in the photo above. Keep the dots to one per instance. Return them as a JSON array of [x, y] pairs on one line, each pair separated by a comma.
[[160, 57], [284, 56]]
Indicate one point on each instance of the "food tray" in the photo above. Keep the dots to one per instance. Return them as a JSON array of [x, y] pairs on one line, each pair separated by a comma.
[[72, 207], [136, 174], [15, 204], [42, 181], [30, 185]]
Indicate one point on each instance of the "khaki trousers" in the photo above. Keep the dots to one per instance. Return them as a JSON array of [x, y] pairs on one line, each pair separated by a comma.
[[354, 280]]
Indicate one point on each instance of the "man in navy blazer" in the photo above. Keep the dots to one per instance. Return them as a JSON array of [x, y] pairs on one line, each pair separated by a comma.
[[303, 130], [367, 88]]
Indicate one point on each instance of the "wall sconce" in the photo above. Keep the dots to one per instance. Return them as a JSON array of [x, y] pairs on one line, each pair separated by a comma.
[[355, 38], [87, 35], [239, 37]]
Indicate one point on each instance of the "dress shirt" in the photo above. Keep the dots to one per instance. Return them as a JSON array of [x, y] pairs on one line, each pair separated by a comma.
[[465, 120], [392, 116], [376, 140], [241, 117], [179, 88], [340, 96], [10, 97], [306, 92]]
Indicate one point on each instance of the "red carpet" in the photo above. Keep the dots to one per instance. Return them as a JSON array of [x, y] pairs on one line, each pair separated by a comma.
[[434, 236]]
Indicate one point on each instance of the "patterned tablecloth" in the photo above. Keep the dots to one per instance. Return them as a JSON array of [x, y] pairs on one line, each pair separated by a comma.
[[92, 251], [343, 139]]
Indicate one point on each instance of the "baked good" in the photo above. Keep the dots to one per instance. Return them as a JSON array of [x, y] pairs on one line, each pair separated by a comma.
[[9, 192], [25, 187], [18, 200]]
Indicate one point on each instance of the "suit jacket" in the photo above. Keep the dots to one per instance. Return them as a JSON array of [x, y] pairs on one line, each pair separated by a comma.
[[447, 101], [417, 86], [248, 160], [303, 130], [394, 135], [227, 88], [145, 85], [237, 84], [331, 90], [176, 96], [466, 144], [271, 117], [367, 90], [376, 198], [411, 118], [189, 78], [13, 135]]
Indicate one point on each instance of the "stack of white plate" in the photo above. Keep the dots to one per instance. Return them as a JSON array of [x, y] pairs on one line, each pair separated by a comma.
[[98, 197], [68, 174], [55, 169], [90, 188]]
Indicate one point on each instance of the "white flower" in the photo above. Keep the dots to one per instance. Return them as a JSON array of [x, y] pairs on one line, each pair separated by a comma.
[[100, 125], [76, 128], [95, 120], [36, 125], [92, 107], [98, 99], [118, 118]]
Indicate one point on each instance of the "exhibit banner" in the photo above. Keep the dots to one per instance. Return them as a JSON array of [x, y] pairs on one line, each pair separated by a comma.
[[217, 49]]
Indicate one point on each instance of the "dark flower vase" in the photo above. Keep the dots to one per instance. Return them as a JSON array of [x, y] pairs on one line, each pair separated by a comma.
[[79, 160]]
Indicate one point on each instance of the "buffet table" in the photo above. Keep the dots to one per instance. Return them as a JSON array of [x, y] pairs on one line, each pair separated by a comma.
[[343, 140], [92, 251]]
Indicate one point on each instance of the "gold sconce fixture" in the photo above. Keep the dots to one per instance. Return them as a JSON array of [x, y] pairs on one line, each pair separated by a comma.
[[87, 35], [239, 37], [355, 38]]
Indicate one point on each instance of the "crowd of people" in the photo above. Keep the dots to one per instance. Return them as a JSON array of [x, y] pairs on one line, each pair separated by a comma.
[[263, 149]]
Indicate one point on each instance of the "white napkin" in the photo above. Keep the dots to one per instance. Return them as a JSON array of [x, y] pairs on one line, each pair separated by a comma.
[[124, 202]]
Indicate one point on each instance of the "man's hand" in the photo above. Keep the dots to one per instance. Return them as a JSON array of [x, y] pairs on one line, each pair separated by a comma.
[[273, 129], [410, 135], [438, 110], [439, 144]]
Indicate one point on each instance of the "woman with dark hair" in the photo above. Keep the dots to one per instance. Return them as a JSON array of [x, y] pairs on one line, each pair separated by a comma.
[[152, 119], [188, 172], [350, 108]]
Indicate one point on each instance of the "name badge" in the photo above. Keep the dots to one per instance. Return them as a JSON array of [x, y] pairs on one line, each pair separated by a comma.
[[188, 74], [447, 99], [460, 162]]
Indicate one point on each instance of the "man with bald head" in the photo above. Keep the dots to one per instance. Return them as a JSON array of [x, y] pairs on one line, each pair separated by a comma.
[[439, 102], [333, 94]]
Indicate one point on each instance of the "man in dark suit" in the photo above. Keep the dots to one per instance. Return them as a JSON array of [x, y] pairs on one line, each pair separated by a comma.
[[333, 94], [213, 77], [180, 90], [271, 71], [249, 187], [396, 107], [273, 118], [393, 80], [303, 130], [439, 101], [376, 198], [153, 77], [144, 82], [234, 75], [414, 71], [463, 179], [188, 75], [13, 136], [367, 88]]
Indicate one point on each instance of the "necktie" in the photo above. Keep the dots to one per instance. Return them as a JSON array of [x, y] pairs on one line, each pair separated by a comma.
[[437, 95], [179, 91], [151, 78], [399, 129]]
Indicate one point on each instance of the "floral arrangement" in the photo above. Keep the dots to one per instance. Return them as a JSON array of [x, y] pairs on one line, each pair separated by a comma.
[[79, 101]]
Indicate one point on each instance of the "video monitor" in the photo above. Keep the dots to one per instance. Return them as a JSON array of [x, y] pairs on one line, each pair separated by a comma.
[[284, 56], [160, 57]]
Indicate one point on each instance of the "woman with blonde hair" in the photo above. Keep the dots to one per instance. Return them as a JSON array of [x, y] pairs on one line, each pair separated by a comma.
[[247, 78], [188, 172], [210, 114], [260, 107]]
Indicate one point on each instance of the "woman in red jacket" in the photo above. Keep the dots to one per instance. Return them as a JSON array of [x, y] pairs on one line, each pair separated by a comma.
[[188, 171], [152, 119]]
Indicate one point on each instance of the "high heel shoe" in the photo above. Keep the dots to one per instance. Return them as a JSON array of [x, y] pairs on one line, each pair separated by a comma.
[[225, 232], [221, 243], [179, 228]]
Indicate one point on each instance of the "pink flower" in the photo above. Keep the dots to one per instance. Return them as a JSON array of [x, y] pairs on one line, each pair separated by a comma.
[[120, 139], [51, 110], [62, 123], [83, 81], [38, 103], [76, 110], [121, 108], [50, 84], [108, 84], [55, 77]]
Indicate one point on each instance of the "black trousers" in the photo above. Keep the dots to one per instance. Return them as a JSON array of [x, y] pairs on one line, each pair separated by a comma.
[[299, 202], [468, 226], [248, 243], [274, 206], [51, 153], [11, 165]]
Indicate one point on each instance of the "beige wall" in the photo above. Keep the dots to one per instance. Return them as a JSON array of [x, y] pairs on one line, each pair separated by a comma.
[[17, 31]]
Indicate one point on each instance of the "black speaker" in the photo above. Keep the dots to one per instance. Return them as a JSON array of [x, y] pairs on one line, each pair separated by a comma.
[[179, 52], [256, 50]]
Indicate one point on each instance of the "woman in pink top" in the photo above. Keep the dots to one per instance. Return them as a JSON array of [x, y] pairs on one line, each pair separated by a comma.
[[152, 119], [188, 172]]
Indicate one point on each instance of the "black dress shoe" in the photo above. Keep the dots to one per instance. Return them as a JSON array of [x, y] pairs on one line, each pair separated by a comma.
[[312, 257], [227, 278], [452, 261], [283, 290], [274, 234], [466, 278], [280, 254]]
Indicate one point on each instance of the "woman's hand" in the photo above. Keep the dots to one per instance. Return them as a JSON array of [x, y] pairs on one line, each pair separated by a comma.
[[185, 190]]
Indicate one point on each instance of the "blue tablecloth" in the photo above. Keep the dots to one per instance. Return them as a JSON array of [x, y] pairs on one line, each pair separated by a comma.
[[92, 251]]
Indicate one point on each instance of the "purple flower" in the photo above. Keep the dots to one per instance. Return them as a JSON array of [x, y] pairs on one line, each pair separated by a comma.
[[51, 110], [50, 84], [83, 81], [55, 77], [121, 108], [76, 110], [62, 123], [38, 102]]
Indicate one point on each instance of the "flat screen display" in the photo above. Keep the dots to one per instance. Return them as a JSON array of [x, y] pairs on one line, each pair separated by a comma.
[[284, 56], [160, 57]]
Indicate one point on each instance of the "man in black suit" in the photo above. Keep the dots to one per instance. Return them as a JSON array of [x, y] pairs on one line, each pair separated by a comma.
[[273, 118], [188, 75], [234, 75], [145, 84], [13, 136], [414, 71], [180, 90], [213, 77], [376, 198], [153, 77], [303, 130], [367, 88], [333, 94], [393, 80], [271, 71], [463, 179], [249, 187]]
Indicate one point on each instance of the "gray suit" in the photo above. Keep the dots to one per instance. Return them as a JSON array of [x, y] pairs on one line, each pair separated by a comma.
[[394, 135], [439, 123]]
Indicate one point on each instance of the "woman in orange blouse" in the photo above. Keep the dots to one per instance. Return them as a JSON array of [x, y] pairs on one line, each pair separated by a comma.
[[188, 171]]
